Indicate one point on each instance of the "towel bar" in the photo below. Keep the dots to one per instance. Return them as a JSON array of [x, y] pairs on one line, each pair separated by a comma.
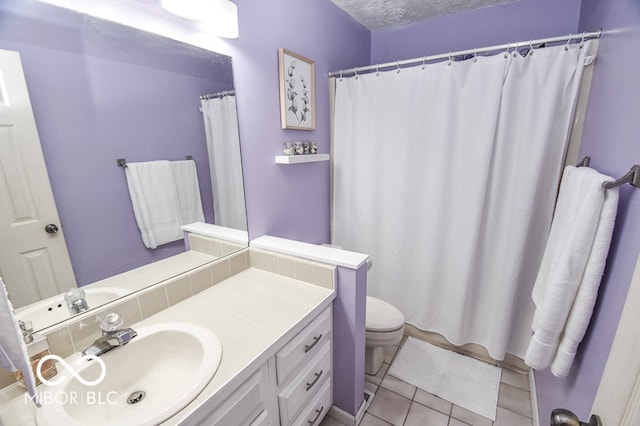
[[123, 163]]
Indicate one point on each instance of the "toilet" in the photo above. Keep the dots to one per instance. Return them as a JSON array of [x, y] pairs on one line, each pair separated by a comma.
[[385, 327]]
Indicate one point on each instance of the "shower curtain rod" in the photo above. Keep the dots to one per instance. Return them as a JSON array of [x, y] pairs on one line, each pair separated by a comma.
[[417, 61], [218, 95]]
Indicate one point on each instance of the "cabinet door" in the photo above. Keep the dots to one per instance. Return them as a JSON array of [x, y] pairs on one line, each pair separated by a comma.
[[244, 406]]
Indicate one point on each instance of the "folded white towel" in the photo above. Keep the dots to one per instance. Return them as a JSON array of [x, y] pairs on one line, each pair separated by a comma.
[[582, 309], [155, 202], [571, 268], [13, 350], [188, 189]]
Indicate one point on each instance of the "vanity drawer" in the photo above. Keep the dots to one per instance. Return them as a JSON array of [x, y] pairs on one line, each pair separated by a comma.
[[305, 345], [317, 408], [305, 385]]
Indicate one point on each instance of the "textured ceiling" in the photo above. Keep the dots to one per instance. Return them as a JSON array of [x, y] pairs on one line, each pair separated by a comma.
[[376, 14]]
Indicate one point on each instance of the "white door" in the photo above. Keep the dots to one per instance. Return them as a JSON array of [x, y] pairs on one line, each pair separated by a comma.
[[618, 398], [34, 264]]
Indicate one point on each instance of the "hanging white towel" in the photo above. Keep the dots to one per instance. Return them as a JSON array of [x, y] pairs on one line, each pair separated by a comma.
[[188, 189], [155, 202], [571, 270], [13, 350]]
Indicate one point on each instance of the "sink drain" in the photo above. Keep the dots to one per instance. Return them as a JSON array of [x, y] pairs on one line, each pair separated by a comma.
[[136, 397]]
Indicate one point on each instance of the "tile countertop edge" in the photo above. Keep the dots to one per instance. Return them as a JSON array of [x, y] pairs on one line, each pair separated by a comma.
[[201, 406], [315, 252]]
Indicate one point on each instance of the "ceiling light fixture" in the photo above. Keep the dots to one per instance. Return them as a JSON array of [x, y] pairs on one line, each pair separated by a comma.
[[219, 16]]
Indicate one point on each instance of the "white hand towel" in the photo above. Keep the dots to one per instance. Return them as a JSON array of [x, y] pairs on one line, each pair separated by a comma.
[[155, 201], [188, 189], [571, 267], [13, 350]]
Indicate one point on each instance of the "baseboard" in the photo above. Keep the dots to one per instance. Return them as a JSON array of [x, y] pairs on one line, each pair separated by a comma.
[[534, 398], [346, 418]]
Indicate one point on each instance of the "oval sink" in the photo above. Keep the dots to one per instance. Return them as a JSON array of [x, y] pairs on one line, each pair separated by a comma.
[[54, 309], [145, 382]]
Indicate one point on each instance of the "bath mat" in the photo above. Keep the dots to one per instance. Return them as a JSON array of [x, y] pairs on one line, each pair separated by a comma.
[[466, 382]]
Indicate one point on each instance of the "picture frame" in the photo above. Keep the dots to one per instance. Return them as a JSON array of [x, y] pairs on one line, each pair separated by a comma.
[[297, 91]]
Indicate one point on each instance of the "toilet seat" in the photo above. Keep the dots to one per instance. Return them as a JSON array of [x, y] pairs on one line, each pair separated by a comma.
[[382, 316]]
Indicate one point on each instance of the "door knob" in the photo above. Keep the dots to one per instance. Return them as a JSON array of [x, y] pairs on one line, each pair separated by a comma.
[[51, 228], [563, 417]]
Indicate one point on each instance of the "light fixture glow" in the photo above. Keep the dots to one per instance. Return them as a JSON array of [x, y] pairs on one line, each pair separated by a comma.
[[219, 16]]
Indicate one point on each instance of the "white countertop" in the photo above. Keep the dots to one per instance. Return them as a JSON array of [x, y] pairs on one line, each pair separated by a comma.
[[251, 313]]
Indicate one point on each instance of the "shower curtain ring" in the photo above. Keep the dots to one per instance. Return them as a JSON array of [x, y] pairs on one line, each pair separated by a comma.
[[449, 63], [475, 55], [377, 70], [506, 53], [515, 50], [355, 72], [566, 46], [584, 34], [531, 47], [340, 75], [398, 67], [424, 62]]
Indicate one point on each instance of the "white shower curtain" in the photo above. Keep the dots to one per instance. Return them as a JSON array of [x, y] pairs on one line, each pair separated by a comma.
[[447, 175], [223, 145]]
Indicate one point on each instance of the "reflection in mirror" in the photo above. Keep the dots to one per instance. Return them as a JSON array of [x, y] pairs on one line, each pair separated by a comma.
[[98, 92]]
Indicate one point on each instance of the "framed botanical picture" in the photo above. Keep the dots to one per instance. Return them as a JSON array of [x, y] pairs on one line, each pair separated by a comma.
[[297, 91]]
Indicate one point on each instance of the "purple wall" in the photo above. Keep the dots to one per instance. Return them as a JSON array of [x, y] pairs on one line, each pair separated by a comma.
[[290, 201], [349, 319], [517, 21], [611, 139], [99, 92]]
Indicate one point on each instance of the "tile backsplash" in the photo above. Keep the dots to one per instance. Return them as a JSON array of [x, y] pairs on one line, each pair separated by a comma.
[[77, 333]]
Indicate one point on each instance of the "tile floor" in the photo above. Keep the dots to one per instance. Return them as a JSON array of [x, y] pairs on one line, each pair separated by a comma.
[[398, 403]]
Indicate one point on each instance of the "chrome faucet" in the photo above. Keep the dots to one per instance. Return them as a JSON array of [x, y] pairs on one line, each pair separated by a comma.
[[76, 301], [112, 335]]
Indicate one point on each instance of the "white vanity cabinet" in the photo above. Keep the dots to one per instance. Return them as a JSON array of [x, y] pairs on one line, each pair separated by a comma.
[[293, 387]]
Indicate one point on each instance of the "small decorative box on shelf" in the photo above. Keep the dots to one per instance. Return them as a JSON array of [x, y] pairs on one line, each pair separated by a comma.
[[296, 159]]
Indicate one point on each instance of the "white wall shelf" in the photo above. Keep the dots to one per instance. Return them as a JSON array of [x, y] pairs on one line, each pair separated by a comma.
[[296, 159]]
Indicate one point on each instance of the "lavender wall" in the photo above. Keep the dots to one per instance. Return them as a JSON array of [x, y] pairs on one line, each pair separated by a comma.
[[288, 201], [611, 139], [517, 21], [349, 319], [100, 92]]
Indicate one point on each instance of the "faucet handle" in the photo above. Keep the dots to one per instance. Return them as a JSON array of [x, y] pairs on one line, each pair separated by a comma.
[[26, 327], [111, 322], [74, 294]]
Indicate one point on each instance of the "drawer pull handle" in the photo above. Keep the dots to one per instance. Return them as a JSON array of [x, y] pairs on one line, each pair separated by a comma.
[[310, 385], [315, 419], [316, 339]]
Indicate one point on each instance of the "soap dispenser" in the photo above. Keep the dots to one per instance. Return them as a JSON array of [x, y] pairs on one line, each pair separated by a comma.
[[37, 348]]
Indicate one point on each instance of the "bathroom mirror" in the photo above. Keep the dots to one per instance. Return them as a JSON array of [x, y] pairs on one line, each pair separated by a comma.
[[101, 91]]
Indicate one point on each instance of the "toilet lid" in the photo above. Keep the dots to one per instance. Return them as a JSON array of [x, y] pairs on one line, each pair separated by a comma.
[[382, 316]]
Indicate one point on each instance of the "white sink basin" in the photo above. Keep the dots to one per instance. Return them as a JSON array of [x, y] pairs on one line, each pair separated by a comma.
[[170, 362], [54, 309]]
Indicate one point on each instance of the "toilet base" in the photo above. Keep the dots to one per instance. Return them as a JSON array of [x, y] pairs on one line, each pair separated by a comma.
[[373, 359]]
